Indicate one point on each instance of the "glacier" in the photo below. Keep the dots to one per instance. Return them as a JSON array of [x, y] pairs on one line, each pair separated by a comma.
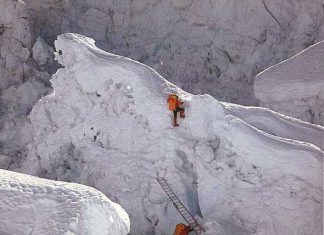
[[106, 125], [214, 47]]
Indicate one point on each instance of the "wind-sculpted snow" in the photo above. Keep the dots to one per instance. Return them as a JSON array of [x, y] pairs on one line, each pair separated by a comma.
[[295, 87], [106, 125], [278, 124], [30, 205]]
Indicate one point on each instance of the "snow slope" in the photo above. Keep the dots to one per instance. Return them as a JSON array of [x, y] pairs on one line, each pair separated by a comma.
[[106, 125], [31, 205], [295, 87]]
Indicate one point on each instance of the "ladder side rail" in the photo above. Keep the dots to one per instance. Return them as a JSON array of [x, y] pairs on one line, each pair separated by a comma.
[[181, 213], [176, 198], [193, 218]]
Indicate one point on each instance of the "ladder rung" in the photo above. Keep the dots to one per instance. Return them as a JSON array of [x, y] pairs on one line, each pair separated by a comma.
[[167, 189], [183, 209], [195, 223], [185, 213], [179, 206]]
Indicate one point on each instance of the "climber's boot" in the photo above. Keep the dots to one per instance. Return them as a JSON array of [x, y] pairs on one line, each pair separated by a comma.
[[182, 114]]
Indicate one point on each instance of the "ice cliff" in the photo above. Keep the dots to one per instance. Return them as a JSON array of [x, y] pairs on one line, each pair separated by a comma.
[[30, 205], [295, 87], [106, 125]]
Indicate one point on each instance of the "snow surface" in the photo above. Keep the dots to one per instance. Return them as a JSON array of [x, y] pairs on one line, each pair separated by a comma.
[[30, 205], [295, 87], [106, 125]]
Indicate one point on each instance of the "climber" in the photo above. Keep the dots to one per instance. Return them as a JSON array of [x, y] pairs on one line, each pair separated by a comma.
[[176, 106], [182, 229]]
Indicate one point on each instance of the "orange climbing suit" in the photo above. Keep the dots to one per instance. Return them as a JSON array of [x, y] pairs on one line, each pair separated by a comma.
[[182, 229], [176, 106]]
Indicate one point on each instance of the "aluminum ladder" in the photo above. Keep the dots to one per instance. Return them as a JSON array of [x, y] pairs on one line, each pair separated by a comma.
[[196, 227]]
